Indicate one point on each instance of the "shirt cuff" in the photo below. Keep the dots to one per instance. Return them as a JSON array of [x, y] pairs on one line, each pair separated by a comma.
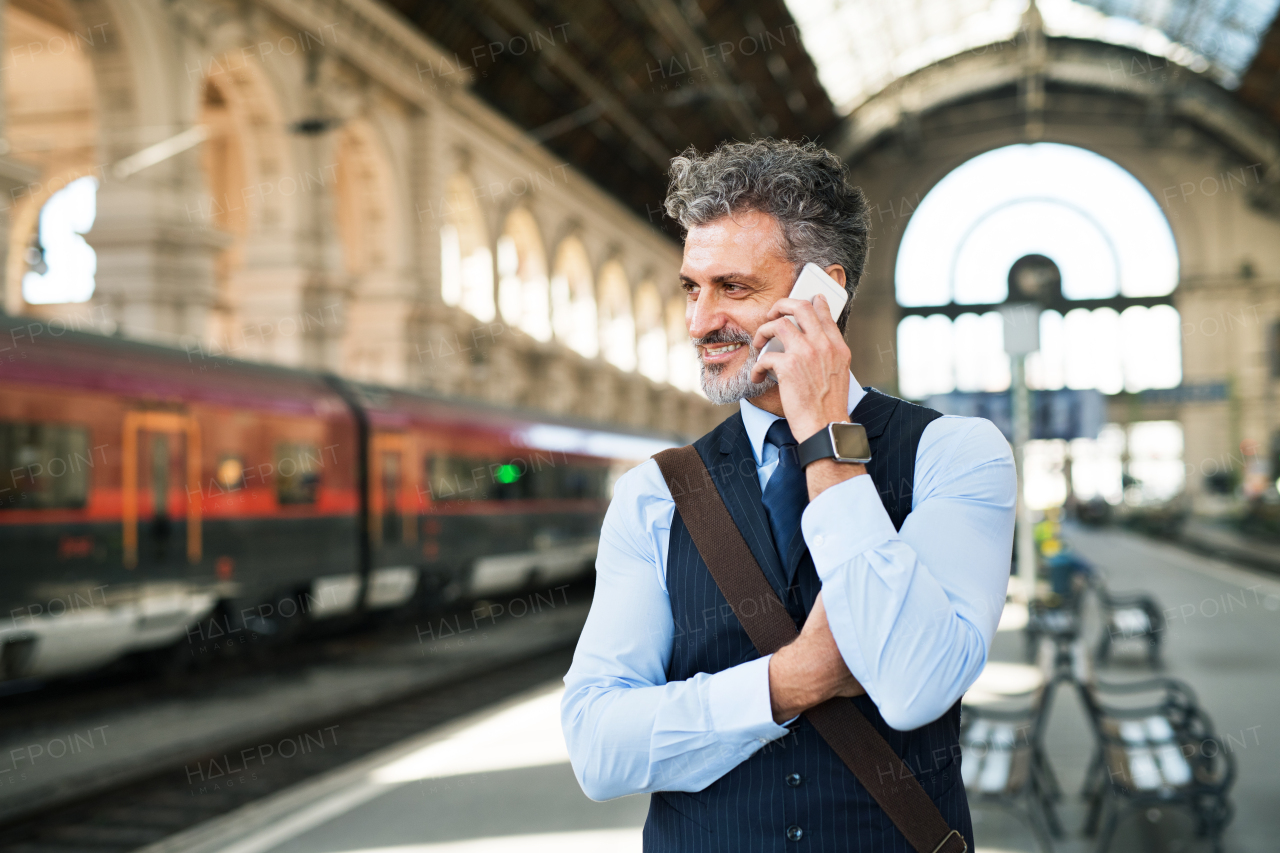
[[740, 707], [842, 522]]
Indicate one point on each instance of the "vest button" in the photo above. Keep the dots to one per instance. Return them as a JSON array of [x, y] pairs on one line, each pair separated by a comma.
[[794, 833], [794, 780]]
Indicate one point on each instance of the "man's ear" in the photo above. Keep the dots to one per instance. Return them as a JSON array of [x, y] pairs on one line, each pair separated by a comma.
[[836, 272]]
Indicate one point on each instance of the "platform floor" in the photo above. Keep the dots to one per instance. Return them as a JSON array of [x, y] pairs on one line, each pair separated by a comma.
[[500, 780]]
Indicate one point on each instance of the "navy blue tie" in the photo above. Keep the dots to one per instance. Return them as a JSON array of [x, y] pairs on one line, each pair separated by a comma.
[[785, 497]]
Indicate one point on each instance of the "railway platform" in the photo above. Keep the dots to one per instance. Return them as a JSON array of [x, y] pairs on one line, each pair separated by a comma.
[[499, 780], [63, 752]]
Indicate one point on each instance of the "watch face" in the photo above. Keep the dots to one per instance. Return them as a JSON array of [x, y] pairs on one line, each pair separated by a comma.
[[851, 441]]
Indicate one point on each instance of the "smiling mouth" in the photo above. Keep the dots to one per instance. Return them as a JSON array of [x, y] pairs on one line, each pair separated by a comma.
[[722, 350]]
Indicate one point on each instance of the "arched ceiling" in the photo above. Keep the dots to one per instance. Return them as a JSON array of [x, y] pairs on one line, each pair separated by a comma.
[[617, 87], [862, 46]]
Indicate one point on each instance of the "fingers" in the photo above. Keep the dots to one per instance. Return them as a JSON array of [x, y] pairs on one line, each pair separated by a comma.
[[811, 317], [825, 321], [780, 328], [765, 363], [801, 309]]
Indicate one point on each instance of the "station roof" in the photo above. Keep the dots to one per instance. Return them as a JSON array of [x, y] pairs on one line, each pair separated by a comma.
[[616, 87], [861, 46]]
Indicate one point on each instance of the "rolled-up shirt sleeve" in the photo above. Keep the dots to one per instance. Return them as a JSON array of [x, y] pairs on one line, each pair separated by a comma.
[[914, 612], [628, 729]]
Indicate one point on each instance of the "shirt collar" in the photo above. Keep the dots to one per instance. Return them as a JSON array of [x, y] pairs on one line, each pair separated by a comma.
[[757, 420]]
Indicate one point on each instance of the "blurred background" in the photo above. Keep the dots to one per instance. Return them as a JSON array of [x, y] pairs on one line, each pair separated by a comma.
[[329, 324]]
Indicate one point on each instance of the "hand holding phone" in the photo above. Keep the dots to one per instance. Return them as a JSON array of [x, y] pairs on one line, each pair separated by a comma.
[[812, 281]]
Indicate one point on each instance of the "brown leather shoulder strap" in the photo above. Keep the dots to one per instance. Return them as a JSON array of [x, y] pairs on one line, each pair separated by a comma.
[[758, 608]]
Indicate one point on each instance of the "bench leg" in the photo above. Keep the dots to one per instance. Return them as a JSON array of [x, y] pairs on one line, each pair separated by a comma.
[[1099, 799], [1109, 824], [1038, 818], [1092, 776], [1103, 653], [1043, 793]]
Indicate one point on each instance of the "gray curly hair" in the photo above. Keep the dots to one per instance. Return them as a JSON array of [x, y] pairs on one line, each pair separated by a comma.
[[824, 219]]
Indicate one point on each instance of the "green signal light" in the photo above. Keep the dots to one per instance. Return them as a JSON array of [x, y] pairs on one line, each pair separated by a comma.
[[508, 473]]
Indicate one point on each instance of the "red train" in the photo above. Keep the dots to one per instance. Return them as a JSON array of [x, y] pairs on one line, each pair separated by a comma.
[[154, 499]]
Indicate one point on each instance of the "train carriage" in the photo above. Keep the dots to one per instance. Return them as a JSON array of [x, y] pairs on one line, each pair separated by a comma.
[[152, 499]]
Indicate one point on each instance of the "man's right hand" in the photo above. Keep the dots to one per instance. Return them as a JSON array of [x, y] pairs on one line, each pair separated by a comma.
[[809, 670]]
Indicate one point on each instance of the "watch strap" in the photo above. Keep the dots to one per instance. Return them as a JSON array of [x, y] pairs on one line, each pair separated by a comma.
[[822, 445], [817, 446]]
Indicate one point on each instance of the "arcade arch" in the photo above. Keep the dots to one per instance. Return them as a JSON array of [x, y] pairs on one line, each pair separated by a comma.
[[573, 301], [682, 359], [364, 194], [617, 324], [466, 260], [651, 335], [52, 125], [247, 180], [523, 290]]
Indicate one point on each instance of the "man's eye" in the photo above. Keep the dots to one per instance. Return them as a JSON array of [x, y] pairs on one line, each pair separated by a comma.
[[691, 289]]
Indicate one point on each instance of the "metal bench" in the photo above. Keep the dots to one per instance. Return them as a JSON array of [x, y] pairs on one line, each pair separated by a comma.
[[1131, 616], [1155, 748], [1001, 738]]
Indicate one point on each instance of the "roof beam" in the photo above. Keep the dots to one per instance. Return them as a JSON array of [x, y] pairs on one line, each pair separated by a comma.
[[587, 84], [675, 28]]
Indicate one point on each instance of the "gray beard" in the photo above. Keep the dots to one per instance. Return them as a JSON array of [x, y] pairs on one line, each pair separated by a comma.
[[721, 389]]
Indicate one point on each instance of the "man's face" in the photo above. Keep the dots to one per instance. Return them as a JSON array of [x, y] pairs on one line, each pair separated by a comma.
[[733, 272]]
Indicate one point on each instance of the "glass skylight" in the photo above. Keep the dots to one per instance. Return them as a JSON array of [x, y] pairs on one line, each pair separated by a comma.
[[861, 46]]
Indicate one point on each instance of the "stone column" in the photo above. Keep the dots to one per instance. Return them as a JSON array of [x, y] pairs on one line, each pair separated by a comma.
[[155, 264]]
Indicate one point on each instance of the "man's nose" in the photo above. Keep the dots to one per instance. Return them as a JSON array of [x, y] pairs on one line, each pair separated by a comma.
[[703, 317]]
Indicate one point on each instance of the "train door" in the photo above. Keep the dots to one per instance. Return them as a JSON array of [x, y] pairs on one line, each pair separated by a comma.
[[393, 500], [160, 489]]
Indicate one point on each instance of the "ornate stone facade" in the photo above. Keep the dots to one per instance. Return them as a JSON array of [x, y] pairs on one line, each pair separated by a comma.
[[352, 207]]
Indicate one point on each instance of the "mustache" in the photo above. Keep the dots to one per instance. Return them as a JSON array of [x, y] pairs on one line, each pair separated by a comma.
[[723, 336]]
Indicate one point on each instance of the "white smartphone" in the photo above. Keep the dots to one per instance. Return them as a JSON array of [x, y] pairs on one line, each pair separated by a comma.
[[813, 280]]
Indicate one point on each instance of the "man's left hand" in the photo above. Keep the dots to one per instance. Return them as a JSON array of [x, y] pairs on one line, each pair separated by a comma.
[[813, 373], [813, 379]]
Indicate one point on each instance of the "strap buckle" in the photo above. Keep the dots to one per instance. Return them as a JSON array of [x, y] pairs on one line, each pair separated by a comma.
[[964, 845]]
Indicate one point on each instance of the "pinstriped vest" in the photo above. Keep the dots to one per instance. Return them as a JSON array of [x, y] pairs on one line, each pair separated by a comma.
[[794, 794]]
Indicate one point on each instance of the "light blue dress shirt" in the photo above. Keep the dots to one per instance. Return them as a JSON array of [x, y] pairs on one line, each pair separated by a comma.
[[912, 612]]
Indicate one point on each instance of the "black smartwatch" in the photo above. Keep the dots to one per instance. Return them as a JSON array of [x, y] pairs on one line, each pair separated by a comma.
[[840, 441]]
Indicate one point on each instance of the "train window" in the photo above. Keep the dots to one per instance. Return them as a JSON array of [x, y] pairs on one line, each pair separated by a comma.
[[297, 473], [460, 478], [478, 479], [44, 466]]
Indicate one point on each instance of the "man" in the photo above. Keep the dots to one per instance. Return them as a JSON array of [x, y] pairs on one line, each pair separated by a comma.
[[895, 570]]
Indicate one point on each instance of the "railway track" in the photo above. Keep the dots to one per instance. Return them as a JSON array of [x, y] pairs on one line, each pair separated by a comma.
[[208, 784]]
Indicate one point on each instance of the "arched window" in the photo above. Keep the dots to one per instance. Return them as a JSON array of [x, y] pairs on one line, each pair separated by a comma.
[[573, 301], [683, 370], [223, 161], [651, 340], [617, 325], [1102, 228], [51, 124], [362, 193], [466, 263], [62, 263], [523, 293]]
